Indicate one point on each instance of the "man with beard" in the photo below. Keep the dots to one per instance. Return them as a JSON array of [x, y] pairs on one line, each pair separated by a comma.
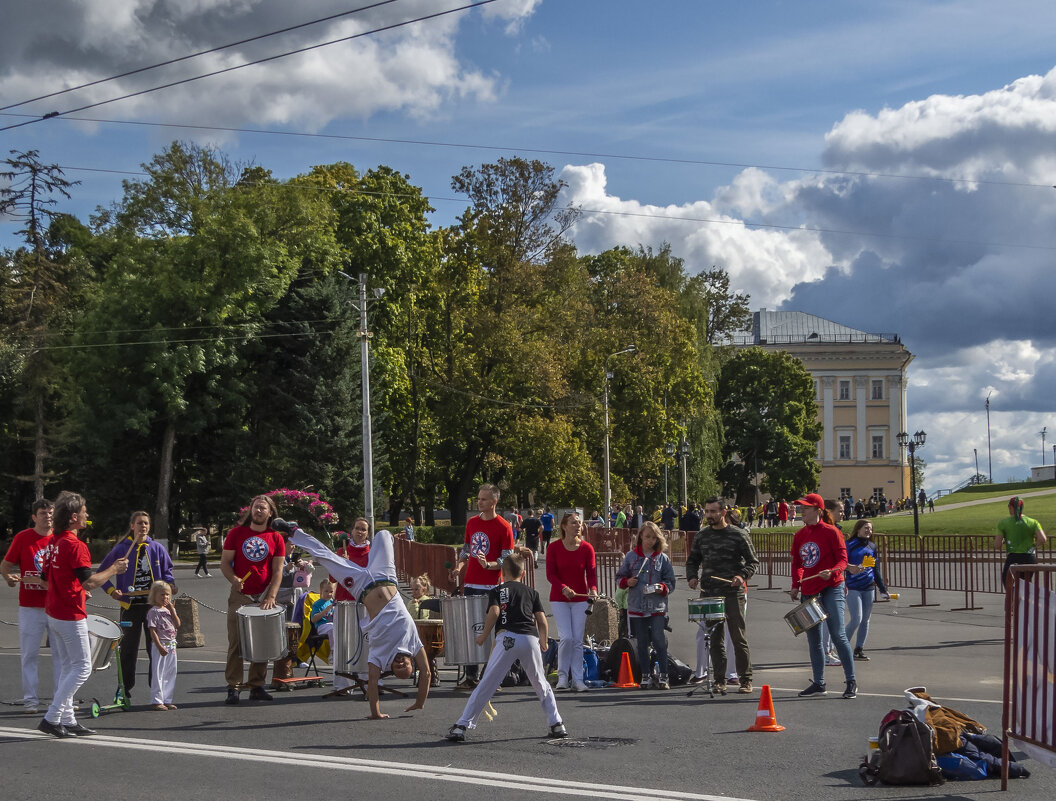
[[726, 560], [252, 561]]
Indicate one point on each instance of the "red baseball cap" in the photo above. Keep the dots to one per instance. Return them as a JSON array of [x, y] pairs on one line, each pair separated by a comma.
[[813, 499]]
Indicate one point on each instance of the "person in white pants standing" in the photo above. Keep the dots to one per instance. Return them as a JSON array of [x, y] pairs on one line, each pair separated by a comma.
[[25, 556], [573, 576], [516, 614], [67, 568], [162, 623]]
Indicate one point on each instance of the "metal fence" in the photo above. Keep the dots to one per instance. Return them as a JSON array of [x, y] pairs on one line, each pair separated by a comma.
[[1030, 659]]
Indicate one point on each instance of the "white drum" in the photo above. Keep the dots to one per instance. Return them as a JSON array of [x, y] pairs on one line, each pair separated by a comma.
[[262, 633], [350, 644], [103, 637]]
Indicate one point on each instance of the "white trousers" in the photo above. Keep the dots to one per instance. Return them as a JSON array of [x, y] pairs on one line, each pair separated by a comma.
[[32, 623], [71, 662], [163, 675], [571, 620], [702, 652], [509, 648]]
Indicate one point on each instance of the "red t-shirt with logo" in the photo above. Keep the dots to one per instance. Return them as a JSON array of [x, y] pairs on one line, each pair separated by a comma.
[[62, 557], [254, 551], [490, 537], [816, 548], [26, 551], [357, 555]]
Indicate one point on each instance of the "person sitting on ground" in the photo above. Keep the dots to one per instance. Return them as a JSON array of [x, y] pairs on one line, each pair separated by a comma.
[[390, 631], [516, 613]]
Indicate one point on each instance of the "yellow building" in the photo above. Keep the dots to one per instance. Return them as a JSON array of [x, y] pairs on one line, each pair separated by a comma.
[[860, 387]]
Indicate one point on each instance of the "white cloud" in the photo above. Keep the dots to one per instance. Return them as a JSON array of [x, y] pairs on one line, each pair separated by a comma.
[[413, 70]]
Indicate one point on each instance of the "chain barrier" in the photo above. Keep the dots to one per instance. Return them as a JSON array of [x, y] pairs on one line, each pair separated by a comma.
[[201, 603]]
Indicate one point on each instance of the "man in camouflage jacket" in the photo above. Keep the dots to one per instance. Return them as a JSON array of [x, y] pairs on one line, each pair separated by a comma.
[[722, 551]]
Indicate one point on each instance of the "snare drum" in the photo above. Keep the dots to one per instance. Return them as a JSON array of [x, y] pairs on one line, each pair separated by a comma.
[[805, 616], [707, 610], [103, 636]]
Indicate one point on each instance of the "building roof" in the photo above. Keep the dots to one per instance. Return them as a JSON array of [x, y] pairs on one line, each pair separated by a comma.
[[787, 327]]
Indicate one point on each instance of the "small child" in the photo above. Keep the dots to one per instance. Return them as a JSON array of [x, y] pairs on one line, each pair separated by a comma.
[[322, 615], [647, 574], [421, 590], [162, 622], [516, 614]]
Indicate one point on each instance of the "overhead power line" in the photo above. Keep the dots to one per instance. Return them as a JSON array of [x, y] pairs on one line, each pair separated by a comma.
[[189, 56], [170, 84]]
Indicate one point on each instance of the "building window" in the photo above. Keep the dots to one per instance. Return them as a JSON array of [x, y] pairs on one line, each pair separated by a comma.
[[845, 446], [878, 446], [878, 493], [845, 390], [878, 389], [845, 492]]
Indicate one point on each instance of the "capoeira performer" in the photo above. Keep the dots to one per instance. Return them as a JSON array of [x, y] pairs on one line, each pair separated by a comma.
[[391, 636], [516, 614]]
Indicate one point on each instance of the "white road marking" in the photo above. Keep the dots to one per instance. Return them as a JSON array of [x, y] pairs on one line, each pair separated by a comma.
[[490, 780]]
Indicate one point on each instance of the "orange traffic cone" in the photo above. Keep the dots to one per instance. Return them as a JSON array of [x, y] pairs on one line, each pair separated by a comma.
[[626, 678], [764, 716]]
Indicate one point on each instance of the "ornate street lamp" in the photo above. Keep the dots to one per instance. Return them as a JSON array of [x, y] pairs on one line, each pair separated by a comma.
[[911, 445]]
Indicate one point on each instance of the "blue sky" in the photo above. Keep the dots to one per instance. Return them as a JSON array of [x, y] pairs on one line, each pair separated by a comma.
[[937, 91]]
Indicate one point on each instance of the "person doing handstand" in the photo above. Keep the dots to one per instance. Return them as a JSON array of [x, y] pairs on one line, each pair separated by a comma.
[[390, 632]]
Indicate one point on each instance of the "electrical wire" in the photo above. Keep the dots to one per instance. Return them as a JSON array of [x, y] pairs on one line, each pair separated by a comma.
[[170, 84], [216, 49]]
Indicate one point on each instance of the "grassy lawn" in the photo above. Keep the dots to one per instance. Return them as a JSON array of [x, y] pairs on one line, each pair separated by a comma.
[[984, 491], [981, 519]]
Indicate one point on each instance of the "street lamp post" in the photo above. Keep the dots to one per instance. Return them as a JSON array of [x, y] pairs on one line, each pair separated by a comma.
[[683, 452], [669, 449], [989, 456], [911, 445], [975, 478], [605, 396], [368, 439], [1044, 429]]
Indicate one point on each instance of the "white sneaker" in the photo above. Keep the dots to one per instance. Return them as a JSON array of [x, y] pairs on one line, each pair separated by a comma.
[[562, 683], [831, 660], [579, 687]]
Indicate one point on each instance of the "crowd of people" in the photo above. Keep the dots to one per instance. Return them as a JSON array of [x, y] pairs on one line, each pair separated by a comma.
[[52, 568]]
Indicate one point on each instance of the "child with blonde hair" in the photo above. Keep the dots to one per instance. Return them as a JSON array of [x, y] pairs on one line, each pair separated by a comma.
[[162, 623]]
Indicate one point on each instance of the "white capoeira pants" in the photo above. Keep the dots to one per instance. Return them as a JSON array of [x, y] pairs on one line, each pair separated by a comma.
[[163, 675], [509, 648], [32, 623], [72, 663], [381, 561]]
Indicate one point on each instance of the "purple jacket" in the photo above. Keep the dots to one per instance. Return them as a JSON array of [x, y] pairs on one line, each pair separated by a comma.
[[160, 566]]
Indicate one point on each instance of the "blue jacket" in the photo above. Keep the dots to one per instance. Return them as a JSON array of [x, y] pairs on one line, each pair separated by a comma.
[[653, 569], [160, 566], [858, 549]]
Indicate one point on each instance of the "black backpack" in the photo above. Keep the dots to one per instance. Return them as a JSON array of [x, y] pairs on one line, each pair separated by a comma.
[[907, 751]]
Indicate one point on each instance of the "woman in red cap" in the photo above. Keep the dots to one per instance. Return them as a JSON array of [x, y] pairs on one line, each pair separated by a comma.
[[819, 559]]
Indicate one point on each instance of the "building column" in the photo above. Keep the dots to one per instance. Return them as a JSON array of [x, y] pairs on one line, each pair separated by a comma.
[[861, 388], [827, 452], [895, 395]]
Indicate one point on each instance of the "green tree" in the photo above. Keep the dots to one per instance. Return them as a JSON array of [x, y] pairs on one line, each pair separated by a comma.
[[766, 400]]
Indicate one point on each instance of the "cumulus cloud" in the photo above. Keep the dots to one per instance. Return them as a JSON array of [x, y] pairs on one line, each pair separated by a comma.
[[54, 44], [955, 255]]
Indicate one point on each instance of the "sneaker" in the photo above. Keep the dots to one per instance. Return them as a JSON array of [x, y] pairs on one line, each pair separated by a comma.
[[558, 731], [697, 679], [466, 684], [232, 697], [832, 660], [54, 729], [579, 687], [260, 694], [859, 654], [562, 683], [814, 689], [852, 690], [30, 709], [457, 734], [663, 683], [435, 681], [745, 688], [77, 730], [720, 687]]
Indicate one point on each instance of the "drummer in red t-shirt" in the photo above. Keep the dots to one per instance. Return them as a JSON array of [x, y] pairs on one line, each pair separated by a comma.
[[489, 540], [252, 560], [819, 559], [24, 555], [67, 568]]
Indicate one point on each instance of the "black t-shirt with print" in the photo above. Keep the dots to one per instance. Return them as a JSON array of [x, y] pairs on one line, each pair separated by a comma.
[[517, 604]]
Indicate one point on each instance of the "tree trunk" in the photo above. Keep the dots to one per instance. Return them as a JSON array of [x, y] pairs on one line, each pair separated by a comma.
[[161, 513], [39, 447]]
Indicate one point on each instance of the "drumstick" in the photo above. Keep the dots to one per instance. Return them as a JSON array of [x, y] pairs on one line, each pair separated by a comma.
[[130, 547], [720, 578], [242, 580]]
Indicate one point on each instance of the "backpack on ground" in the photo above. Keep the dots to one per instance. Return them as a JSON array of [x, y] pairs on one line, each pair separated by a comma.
[[907, 751]]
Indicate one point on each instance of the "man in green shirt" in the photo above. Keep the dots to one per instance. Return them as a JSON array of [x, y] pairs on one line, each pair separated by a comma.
[[1020, 535]]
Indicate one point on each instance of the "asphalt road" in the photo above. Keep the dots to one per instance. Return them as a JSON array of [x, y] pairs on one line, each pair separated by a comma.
[[658, 745]]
